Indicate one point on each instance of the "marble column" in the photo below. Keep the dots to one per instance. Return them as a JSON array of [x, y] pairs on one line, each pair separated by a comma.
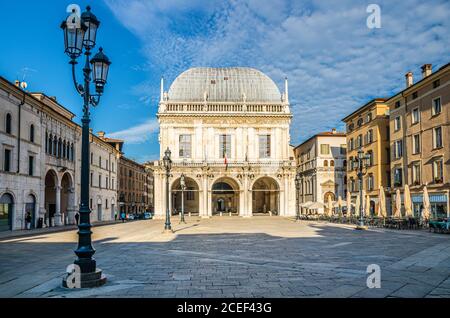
[[71, 209], [57, 217]]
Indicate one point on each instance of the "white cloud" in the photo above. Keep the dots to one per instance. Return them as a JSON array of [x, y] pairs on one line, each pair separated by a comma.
[[334, 62], [137, 134]]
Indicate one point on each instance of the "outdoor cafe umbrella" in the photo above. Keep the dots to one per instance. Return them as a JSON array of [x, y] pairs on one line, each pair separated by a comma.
[[340, 204], [398, 205], [426, 204], [349, 204], [329, 206], [367, 206], [407, 202], [305, 204], [315, 206], [382, 203]]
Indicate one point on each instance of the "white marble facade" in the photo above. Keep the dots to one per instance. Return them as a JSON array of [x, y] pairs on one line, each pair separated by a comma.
[[47, 151], [228, 132], [321, 164]]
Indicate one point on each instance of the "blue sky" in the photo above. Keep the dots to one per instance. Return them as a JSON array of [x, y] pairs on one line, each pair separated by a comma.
[[333, 61]]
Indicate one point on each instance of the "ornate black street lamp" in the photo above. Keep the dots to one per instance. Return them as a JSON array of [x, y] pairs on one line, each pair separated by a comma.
[[297, 189], [168, 166], [183, 187], [360, 165], [80, 35]]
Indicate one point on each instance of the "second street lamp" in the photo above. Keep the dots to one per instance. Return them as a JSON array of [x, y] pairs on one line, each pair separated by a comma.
[[168, 166], [80, 34], [360, 164]]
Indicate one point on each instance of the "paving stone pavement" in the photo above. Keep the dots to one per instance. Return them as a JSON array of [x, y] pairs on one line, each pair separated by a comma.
[[233, 257]]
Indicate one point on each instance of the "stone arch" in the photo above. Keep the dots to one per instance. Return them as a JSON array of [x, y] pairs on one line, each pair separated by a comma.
[[7, 211], [265, 196], [191, 196], [30, 207], [225, 194], [325, 163], [273, 178], [50, 200], [67, 198]]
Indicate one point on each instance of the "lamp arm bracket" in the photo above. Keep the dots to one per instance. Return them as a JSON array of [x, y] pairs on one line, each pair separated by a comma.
[[79, 88]]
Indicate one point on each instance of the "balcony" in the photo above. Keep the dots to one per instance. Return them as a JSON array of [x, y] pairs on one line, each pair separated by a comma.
[[223, 108], [231, 163]]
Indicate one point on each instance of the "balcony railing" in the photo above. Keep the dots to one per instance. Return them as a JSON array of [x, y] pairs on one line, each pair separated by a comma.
[[231, 163], [224, 108]]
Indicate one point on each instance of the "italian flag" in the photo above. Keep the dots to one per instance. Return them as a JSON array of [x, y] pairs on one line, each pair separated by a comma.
[[225, 160]]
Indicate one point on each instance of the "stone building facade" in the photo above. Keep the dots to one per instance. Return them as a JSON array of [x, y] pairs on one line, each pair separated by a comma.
[[419, 136], [228, 132], [368, 129], [135, 186], [40, 160], [321, 166], [103, 178]]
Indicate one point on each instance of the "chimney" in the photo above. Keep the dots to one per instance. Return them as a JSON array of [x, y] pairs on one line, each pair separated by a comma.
[[426, 70], [101, 134], [409, 79], [333, 131]]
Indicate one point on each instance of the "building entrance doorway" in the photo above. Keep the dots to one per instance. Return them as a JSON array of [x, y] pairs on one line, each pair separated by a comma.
[[225, 197], [265, 197], [6, 212], [191, 199]]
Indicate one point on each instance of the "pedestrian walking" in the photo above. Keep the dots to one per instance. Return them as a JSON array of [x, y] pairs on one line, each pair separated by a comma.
[[28, 220], [77, 218], [122, 216]]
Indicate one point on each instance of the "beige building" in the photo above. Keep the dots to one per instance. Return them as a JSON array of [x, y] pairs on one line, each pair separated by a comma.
[[228, 132], [420, 133], [40, 162], [135, 186], [368, 129], [321, 166], [103, 177]]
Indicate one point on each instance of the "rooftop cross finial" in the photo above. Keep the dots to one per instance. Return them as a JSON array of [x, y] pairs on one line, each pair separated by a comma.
[[286, 90]]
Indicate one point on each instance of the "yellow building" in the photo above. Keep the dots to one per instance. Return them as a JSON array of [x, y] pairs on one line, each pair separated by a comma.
[[419, 134], [368, 128]]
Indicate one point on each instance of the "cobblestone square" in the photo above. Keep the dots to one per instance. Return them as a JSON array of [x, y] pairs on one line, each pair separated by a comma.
[[233, 257]]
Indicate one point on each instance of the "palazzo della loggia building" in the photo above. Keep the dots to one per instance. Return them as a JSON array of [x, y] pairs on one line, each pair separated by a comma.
[[228, 133]]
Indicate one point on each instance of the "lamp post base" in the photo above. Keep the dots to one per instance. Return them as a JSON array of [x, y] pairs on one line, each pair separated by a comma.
[[86, 280], [168, 231], [361, 227]]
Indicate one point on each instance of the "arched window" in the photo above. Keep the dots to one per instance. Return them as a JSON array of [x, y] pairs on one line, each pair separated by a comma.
[[344, 164], [32, 133], [332, 163], [55, 146], [72, 153], [8, 123], [46, 142], [59, 148], [50, 144], [325, 163], [64, 154]]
